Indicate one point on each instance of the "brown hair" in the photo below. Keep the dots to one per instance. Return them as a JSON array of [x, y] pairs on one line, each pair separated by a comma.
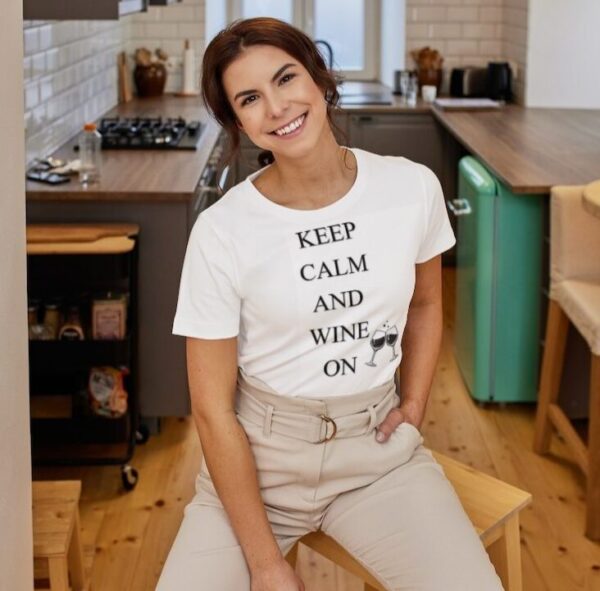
[[229, 43]]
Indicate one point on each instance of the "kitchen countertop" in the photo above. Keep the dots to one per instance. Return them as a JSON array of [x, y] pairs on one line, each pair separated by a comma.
[[530, 150], [141, 175]]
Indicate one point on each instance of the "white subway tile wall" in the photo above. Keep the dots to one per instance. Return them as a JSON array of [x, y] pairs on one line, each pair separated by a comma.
[[70, 67], [470, 32], [514, 41], [168, 27]]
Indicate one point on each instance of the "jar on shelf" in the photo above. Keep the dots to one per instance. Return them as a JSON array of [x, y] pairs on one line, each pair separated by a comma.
[[35, 329], [52, 318], [72, 329], [109, 316]]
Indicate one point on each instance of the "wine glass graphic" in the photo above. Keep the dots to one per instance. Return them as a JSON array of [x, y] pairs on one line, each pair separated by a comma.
[[377, 342], [391, 336]]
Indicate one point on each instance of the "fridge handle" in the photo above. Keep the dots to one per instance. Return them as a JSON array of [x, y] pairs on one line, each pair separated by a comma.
[[459, 206]]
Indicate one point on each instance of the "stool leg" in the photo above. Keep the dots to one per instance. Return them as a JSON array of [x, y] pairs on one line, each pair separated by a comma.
[[58, 573], [552, 364], [76, 556], [592, 530], [505, 555]]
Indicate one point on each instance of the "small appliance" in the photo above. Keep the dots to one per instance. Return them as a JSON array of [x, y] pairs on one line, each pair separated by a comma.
[[468, 81], [499, 81]]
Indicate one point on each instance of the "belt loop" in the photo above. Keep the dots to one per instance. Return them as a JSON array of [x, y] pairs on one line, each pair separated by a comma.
[[372, 418], [267, 421]]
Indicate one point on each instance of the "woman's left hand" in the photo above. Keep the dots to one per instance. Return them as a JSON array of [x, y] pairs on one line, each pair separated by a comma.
[[411, 412]]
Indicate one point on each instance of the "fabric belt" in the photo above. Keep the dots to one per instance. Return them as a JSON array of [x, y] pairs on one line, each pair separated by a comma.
[[315, 420]]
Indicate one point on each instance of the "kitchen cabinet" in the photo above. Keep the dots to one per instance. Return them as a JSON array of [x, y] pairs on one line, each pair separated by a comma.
[[414, 136], [81, 9], [165, 227]]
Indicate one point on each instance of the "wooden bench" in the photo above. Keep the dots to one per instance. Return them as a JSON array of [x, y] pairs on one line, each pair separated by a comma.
[[493, 507], [57, 547]]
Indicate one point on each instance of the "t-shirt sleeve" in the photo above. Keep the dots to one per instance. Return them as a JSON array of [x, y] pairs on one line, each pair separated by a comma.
[[438, 235], [209, 302]]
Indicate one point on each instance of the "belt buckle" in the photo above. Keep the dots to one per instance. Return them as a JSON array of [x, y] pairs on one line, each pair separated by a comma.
[[334, 431]]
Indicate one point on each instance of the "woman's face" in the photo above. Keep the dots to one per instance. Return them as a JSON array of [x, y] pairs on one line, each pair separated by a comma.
[[277, 103]]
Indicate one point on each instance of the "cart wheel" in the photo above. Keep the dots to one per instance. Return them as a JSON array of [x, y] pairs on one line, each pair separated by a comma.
[[129, 476], [142, 434]]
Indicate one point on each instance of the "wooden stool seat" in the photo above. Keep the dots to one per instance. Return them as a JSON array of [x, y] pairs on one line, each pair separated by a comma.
[[57, 548], [493, 507]]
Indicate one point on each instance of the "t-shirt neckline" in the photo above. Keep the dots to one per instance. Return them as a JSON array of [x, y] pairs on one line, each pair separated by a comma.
[[338, 205]]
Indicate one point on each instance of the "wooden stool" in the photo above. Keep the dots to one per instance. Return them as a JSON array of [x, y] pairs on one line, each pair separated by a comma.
[[493, 507], [575, 298], [57, 548]]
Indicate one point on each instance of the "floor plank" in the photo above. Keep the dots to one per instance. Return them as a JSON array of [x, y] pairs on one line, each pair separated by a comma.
[[127, 535]]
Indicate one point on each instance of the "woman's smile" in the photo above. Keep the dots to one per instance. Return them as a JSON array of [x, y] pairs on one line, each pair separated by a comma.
[[291, 129]]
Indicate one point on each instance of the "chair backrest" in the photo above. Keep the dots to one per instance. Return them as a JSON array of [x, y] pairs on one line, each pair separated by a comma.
[[574, 237]]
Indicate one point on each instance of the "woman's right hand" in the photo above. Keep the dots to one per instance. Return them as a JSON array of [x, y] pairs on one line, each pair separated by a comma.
[[280, 576]]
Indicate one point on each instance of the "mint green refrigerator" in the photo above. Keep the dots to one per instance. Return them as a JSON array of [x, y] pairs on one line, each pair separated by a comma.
[[498, 286]]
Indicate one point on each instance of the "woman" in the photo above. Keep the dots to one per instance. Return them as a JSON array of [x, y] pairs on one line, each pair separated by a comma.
[[303, 289]]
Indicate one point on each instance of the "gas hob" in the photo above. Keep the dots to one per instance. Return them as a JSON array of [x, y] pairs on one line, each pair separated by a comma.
[[151, 133]]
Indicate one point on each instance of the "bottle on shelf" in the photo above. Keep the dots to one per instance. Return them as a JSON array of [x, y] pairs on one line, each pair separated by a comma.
[[90, 146]]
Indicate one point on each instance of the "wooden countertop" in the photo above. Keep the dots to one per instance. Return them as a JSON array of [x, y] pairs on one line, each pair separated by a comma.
[[531, 150], [141, 175]]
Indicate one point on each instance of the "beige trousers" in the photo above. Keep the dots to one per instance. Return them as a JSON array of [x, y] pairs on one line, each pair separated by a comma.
[[390, 505]]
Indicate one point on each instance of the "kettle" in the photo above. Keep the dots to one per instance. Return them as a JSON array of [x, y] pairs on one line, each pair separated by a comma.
[[499, 81]]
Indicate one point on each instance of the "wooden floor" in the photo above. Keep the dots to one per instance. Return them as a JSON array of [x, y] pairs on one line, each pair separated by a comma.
[[127, 535]]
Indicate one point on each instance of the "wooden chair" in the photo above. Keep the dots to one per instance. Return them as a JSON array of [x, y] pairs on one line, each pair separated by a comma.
[[493, 507], [57, 547], [574, 298]]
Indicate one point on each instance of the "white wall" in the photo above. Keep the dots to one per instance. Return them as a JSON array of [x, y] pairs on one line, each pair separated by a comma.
[[465, 32], [563, 57], [168, 27], [70, 77], [16, 557], [392, 39]]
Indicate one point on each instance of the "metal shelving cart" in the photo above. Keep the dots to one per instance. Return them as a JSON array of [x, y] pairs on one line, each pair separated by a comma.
[[73, 262]]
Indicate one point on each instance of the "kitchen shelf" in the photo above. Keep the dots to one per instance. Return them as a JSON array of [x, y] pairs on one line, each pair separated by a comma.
[[74, 261], [80, 430], [49, 356]]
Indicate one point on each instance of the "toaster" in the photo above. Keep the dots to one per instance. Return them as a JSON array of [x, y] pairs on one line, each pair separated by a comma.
[[468, 81]]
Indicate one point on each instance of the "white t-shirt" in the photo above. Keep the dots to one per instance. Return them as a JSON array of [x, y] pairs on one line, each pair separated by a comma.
[[317, 298]]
